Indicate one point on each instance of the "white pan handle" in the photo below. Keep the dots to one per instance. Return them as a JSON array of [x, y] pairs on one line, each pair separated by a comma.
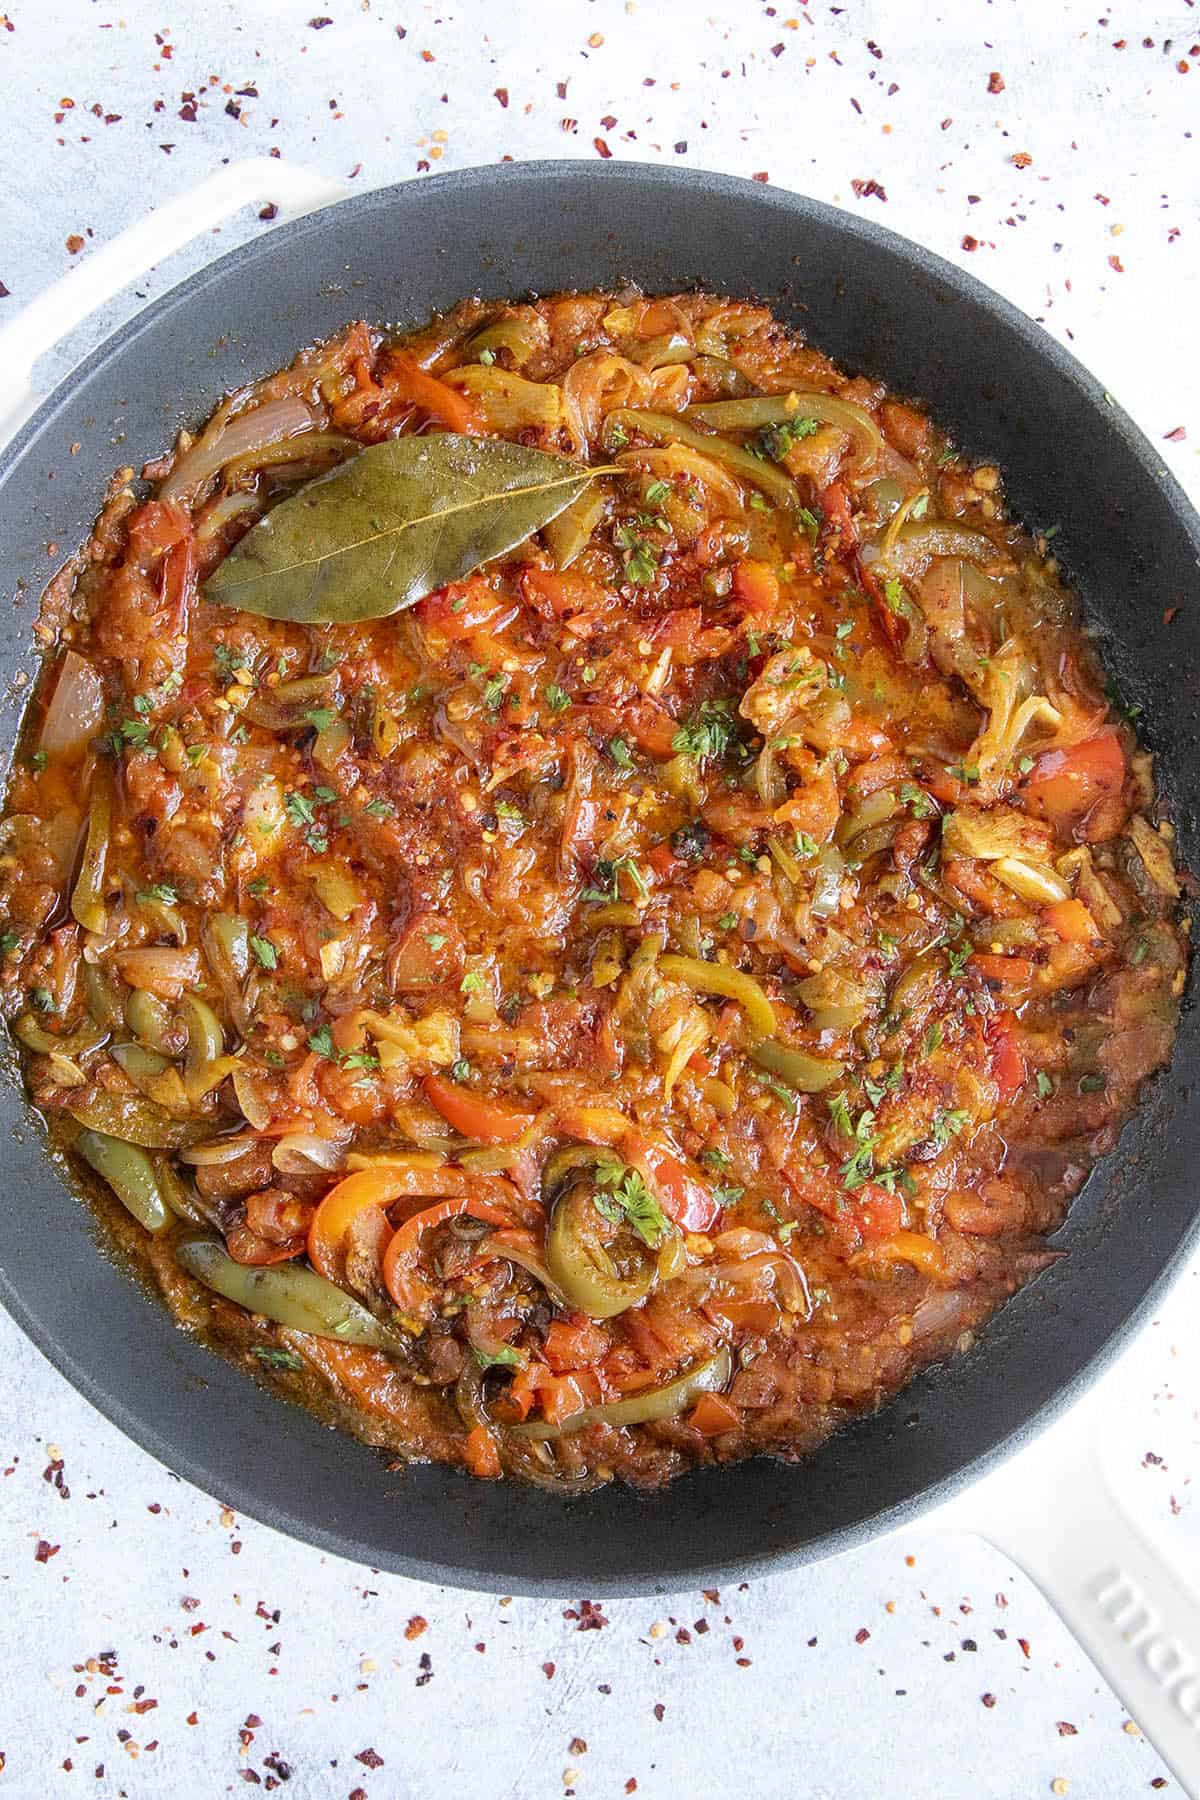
[[1057, 1514], [65, 304]]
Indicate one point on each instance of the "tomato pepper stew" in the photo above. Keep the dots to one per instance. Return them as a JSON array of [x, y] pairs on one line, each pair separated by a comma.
[[575, 874]]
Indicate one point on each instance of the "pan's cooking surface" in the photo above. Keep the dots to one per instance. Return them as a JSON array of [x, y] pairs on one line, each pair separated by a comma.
[[1005, 394]]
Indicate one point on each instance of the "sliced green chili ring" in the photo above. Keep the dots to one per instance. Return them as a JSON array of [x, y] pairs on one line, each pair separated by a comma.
[[581, 1265], [205, 1048], [130, 1174], [35, 1037], [285, 1293], [656, 1403], [798, 1068], [665, 428], [87, 901], [135, 1121]]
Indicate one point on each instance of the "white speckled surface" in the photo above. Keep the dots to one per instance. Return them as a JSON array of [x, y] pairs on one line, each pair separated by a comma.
[[165, 1647]]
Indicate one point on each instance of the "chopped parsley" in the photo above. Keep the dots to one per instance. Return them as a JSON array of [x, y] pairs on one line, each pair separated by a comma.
[[947, 1125], [38, 760], [322, 1044], [641, 556], [557, 698], [609, 870], [299, 809], [460, 1070], [708, 733], [435, 939], [618, 749], [916, 799], [716, 1159], [494, 690], [166, 896], [265, 951], [774, 441], [380, 809], [43, 1000], [893, 594], [510, 813], [957, 959], [811, 522], [1091, 1084], [278, 1359], [320, 717], [258, 887], [621, 1196], [503, 1358], [1045, 1086], [9, 942]]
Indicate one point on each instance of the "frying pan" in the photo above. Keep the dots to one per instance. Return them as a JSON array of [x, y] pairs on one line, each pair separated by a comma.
[[1130, 542]]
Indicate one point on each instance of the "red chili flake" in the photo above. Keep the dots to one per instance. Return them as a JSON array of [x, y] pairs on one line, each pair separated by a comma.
[[560, 88], [319, 24], [1160, 1781], [1026, 1652], [416, 1625], [4, 292], [876, 52], [1020, 159], [631, 1785], [45, 1551], [251, 1777], [358, 1794], [970, 243], [608, 121], [946, 124], [989, 1700], [1114, 262], [861, 1635], [659, 1711], [253, 1722], [681, 147], [577, 1746], [868, 189], [428, 56], [501, 95], [74, 244], [995, 82], [601, 147], [683, 1635], [1066, 1729], [144, 1706], [1178, 436], [760, 175], [369, 1758], [548, 1671]]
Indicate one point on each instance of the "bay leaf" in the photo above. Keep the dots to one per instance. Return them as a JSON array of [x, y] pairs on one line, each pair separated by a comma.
[[393, 524]]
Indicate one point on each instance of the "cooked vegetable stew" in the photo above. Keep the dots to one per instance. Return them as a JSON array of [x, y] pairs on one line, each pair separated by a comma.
[[578, 879]]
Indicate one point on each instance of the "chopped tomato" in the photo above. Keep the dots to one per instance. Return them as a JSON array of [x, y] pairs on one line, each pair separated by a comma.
[[756, 588], [835, 504], [1008, 1065], [462, 608], [158, 525], [556, 594], [713, 1414], [179, 584], [1064, 785], [650, 726], [758, 1317], [683, 1198], [563, 1395], [481, 1454], [1072, 921], [408, 382], [877, 1213], [574, 1343], [907, 428], [246, 1246], [1010, 971], [488, 1121], [663, 860]]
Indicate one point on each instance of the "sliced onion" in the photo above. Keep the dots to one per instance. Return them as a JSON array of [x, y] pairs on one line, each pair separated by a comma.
[[76, 710], [215, 1152], [300, 1152], [225, 438]]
